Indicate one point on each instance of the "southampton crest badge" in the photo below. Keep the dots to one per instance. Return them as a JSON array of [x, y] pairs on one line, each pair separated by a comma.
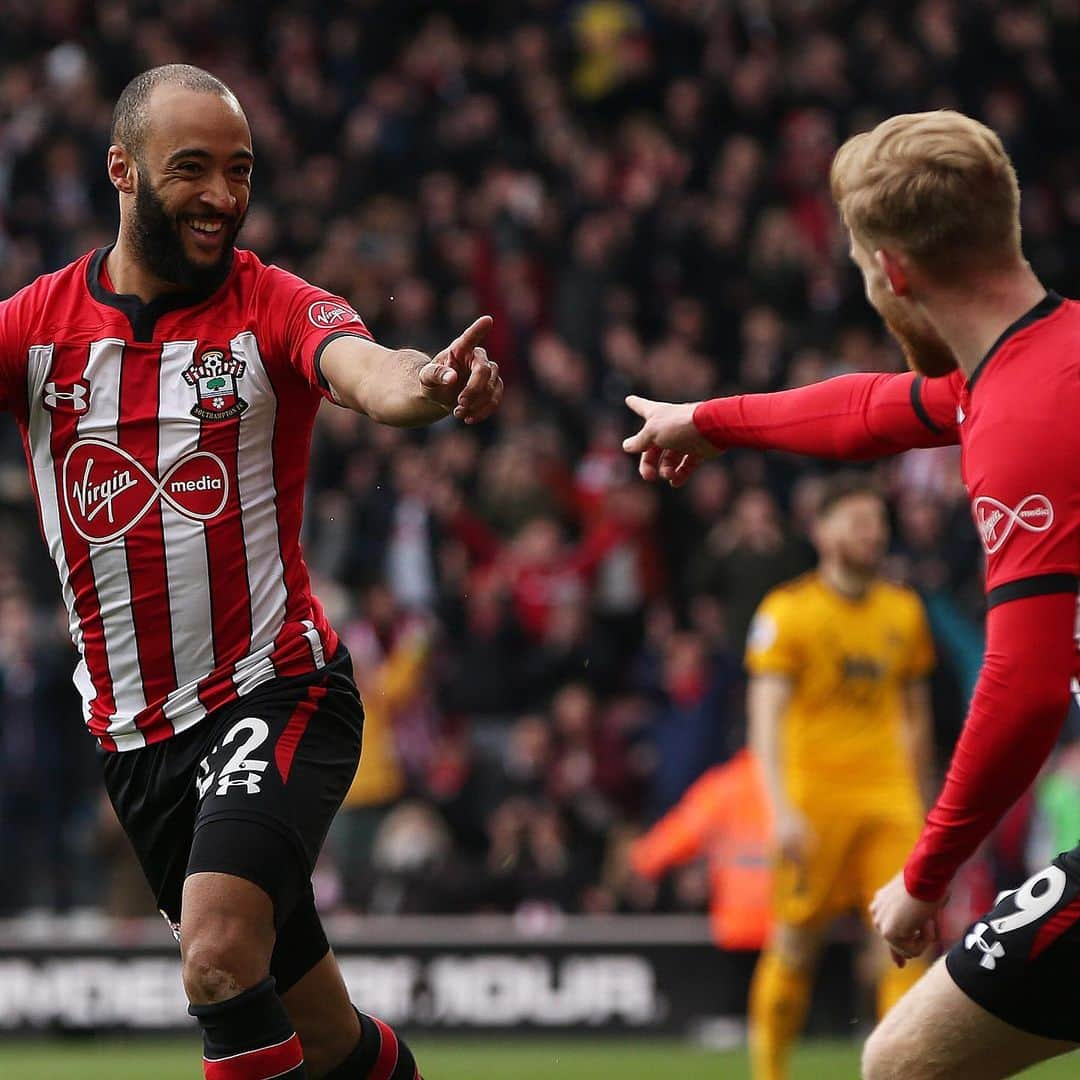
[[214, 378]]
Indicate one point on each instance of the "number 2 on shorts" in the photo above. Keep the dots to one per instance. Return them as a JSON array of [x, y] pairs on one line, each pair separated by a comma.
[[241, 770]]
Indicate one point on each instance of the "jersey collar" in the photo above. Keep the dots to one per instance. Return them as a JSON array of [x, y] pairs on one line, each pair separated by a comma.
[[1046, 306], [143, 317]]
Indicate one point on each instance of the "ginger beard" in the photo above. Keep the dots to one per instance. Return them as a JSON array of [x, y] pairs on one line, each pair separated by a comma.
[[925, 352], [924, 349]]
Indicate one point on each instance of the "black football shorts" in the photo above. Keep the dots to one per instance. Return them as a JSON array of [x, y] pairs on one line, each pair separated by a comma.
[[250, 790], [1020, 960]]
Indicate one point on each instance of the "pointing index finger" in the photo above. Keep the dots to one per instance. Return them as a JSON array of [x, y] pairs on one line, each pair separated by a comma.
[[472, 337]]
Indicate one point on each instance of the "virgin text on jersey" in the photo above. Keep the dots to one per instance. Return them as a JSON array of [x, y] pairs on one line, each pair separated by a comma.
[[107, 492], [996, 522], [326, 314]]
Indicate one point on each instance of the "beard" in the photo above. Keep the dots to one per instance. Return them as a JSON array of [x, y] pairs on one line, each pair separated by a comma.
[[925, 351], [859, 561], [156, 240]]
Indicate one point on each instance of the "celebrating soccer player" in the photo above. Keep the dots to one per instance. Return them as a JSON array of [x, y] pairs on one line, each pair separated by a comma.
[[932, 205], [166, 387]]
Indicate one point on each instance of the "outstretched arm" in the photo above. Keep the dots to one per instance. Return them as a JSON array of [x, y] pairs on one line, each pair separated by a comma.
[[406, 388], [852, 417]]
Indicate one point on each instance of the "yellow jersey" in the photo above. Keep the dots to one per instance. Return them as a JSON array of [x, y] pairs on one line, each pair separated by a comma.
[[842, 741]]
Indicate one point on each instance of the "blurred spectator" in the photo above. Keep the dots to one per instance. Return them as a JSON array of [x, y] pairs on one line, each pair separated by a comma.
[[44, 794], [390, 652], [747, 554], [690, 725]]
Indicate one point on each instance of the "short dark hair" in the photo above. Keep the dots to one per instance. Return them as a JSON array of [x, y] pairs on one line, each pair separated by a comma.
[[131, 115], [844, 485]]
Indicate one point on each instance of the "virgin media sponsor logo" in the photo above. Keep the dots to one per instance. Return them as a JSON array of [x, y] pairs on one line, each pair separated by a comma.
[[996, 522], [107, 492]]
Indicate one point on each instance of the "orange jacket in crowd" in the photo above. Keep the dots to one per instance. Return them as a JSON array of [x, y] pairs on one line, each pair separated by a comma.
[[724, 816]]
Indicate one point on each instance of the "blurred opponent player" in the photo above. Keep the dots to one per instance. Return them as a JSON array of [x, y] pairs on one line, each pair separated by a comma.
[[840, 723], [166, 387], [932, 204]]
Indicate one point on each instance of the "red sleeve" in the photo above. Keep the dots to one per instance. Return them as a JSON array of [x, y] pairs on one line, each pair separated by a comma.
[[853, 417], [1016, 714], [303, 319], [13, 349]]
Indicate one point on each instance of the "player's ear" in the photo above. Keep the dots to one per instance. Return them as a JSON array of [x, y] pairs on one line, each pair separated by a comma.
[[122, 169], [894, 271]]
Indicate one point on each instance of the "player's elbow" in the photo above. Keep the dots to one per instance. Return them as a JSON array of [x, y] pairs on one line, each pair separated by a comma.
[[1022, 675]]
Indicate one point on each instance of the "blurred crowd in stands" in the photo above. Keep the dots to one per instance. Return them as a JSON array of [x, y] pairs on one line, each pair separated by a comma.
[[549, 649]]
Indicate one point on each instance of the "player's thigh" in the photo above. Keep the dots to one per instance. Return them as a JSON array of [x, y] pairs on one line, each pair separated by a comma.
[[1019, 961], [813, 891], [879, 852], [279, 765], [936, 1032], [798, 946], [153, 792]]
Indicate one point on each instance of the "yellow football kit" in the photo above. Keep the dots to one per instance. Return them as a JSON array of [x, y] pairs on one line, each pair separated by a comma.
[[846, 766]]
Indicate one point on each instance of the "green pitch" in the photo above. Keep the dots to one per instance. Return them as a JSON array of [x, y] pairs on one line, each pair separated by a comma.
[[495, 1059]]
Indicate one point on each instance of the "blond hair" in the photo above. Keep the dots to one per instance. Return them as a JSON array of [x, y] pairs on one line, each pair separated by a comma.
[[939, 185]]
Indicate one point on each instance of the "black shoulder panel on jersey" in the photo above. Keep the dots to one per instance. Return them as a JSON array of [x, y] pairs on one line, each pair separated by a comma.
[[920, 408], [1038, 585], [322, 345]]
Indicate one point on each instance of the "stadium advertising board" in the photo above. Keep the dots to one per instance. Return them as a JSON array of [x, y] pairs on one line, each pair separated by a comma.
[[603, 976]]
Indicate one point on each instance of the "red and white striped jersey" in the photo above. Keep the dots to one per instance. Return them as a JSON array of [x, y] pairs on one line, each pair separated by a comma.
[[168, 446]]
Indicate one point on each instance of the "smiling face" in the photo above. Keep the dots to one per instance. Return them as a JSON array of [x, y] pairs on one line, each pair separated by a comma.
[[192, 187]]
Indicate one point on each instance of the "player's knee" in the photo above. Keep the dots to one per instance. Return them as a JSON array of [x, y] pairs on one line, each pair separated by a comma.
[[875, 1065], [797, 949], [886, 1057], [220, 960]]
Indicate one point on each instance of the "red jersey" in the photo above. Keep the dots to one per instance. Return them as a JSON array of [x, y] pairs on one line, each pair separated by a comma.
[[168, 447], [1015, 419]]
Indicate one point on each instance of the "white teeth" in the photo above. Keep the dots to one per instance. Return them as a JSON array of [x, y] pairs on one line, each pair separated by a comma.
[[206, 226]]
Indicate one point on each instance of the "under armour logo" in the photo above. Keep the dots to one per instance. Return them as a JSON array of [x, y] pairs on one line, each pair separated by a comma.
[[996, 521], [74, 398], [991, 952]]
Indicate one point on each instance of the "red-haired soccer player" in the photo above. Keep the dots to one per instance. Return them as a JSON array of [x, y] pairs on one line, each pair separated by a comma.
[[932, 205]]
